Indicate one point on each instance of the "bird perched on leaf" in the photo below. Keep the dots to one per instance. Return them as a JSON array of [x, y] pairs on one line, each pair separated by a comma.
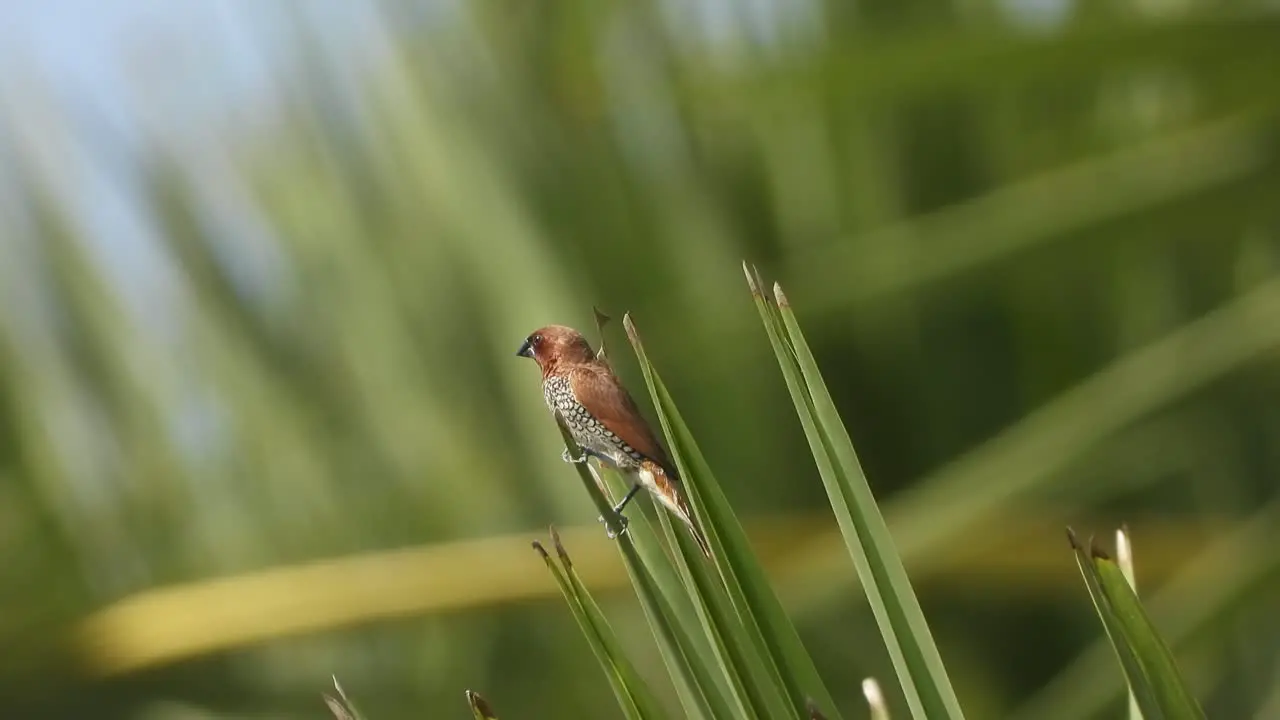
[[584, 394]]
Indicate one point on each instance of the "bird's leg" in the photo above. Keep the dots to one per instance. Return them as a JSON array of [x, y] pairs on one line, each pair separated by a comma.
[[626, 498], [565, 456], [619, 520], [617, 513]]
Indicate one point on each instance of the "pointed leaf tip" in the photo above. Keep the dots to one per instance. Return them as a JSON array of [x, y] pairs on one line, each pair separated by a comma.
[[630, 328], [1124, 551], [875, 699], [479, 706], [541, 550], [1096, 550], [751, 279], [340, 706], [1071, 538], [781, 296], [1124, 556], [564, 554]]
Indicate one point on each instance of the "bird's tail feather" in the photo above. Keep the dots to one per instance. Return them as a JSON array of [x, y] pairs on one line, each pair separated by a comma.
[[668, 492]]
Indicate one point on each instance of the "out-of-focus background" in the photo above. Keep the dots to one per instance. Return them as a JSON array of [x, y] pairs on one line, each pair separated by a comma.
[[264, 268]]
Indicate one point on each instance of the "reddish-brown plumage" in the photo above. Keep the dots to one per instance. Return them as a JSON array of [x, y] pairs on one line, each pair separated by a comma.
[[598, 389], [557, 348], [602, 417]]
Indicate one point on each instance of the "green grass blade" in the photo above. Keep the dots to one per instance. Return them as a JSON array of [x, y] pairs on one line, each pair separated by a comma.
[[688, 637], [727, 645], [791, 672], [698, 692], [1188, 605], [1172, 695], [634, 697], [737, 634], [1124, 555], [341, 706], [907, 637], [1124, 652], [653, 576], [803, 401], [645, 698], [1154, 679], [594, 486], [734, 634], [745, 668]]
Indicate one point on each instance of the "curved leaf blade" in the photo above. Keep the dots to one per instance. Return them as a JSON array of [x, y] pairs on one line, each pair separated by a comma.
[[634, 695], [790, 670], [1153, 675], [908, 640]]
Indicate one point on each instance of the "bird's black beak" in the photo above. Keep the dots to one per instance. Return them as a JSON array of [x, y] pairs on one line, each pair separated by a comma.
[[526, 350]]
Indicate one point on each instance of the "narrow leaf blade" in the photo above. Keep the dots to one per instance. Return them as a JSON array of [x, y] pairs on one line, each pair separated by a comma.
[[616, 669], [906, 633], [1157, 684], [644, 559], [791, 671]]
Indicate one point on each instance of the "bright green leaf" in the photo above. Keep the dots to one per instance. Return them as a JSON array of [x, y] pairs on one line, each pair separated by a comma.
[[1157, 684]]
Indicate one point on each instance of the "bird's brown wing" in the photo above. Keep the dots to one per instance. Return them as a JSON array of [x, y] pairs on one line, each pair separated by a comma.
[[598, 390]]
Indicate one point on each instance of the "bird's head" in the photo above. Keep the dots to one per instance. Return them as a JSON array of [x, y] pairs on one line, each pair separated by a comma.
[[555, 344]]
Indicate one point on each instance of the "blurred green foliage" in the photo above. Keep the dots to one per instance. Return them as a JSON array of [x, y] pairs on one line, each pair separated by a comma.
[[1036, 260]]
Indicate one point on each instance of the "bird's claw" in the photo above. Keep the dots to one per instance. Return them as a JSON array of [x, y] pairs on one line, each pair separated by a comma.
[[609, 526], [565, 456]]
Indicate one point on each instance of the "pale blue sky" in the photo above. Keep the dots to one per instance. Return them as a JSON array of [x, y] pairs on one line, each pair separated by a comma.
[[87, 84]]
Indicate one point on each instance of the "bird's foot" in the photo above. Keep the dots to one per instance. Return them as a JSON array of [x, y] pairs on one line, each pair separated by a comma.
[[616, 525], [565, 456]]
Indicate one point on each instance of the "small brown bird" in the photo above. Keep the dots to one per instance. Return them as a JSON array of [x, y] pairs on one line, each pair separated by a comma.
[[585, 395]]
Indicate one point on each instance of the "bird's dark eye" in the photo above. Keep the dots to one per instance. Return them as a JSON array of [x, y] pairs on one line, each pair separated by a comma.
[[537, 340]]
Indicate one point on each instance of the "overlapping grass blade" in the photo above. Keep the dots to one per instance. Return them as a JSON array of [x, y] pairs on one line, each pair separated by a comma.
[[1124, 555], [690, 663], [1154, 679], [699, 694], [634, 696], [738, 639], [669, 614], [1173, 697], [746, 669], [1189, 606], [790, 672], [727, 645], [910, 644], [341, 706], [734, 637], [1124, 652], [651, 572]]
